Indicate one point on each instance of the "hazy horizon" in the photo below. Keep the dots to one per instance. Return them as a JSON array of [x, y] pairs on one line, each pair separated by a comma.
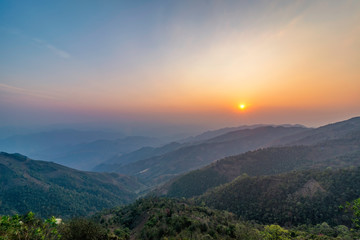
[[143, 66]]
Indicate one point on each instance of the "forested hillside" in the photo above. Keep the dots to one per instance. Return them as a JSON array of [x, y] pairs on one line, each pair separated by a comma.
[[50, 189], [161, 218], [300, 197]]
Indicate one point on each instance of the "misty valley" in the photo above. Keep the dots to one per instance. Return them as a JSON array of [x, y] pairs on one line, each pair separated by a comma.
[[247, 182]]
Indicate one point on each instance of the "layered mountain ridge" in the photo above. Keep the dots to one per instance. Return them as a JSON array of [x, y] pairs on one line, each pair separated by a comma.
[[158, 169], [340, 150]]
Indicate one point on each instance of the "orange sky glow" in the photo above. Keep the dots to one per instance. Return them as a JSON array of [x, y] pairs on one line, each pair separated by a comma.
[[286, 61]]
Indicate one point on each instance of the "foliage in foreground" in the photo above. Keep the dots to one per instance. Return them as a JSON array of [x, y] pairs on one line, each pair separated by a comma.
[[28, 227], [354, 207], [161, 218]]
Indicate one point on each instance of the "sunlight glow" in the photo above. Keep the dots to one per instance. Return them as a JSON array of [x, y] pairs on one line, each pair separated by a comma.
[[242, 106]]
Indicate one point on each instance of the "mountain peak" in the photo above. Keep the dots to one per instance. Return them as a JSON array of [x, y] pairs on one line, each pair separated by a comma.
[[15, 156]]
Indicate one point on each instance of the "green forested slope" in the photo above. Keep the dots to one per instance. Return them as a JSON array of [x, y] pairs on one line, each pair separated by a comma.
[[156, 218], [304, 197], [162, 218], [50, 189]]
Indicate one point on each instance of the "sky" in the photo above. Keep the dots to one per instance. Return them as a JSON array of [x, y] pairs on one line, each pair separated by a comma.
[[179, 62]]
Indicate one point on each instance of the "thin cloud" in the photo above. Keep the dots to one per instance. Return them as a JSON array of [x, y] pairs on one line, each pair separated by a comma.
[[40, 43], [23, 91], [52, 48], [57, 51]]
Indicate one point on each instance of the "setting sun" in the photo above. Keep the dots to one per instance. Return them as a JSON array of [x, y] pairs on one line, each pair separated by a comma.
[[241, 106]]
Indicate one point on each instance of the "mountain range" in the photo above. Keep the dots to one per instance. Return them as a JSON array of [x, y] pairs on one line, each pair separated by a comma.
[[77, 149], [188, 156], [154, 166], [340, 149], [238, 171]]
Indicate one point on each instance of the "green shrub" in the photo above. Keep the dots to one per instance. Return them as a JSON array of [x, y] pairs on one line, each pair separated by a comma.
[[82, 229]]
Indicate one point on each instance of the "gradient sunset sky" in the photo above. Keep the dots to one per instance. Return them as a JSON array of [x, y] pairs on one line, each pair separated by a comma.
[[179, 62]]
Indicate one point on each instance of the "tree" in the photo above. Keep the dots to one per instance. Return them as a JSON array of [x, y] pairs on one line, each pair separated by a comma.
[[354, 207], [275, 232]]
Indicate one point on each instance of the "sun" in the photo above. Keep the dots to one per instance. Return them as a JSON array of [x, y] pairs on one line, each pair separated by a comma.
[[242, 106]]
